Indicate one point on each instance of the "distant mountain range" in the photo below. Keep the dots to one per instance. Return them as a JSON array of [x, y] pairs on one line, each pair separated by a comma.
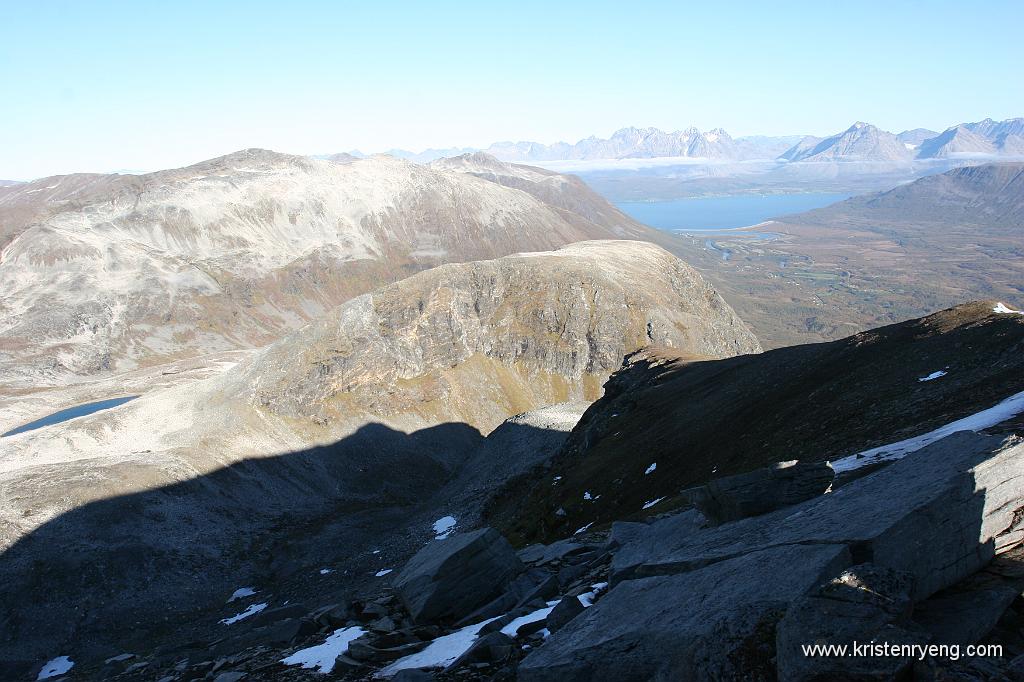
[[860, 142]]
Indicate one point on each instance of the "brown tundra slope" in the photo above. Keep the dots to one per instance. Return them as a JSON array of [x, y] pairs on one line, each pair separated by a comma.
[[108, 273]]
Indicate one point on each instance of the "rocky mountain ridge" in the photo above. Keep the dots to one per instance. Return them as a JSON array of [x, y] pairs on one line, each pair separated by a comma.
[[859, 142], [108, 273], [989, 195]]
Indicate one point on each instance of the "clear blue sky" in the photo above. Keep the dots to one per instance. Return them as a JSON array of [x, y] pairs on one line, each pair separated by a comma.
[[100, 86]]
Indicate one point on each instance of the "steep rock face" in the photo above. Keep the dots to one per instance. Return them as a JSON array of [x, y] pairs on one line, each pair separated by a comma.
[[105, 273], [481, 341]]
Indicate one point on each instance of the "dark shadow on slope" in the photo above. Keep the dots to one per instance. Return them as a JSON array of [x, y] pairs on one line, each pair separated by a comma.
[[118, 574], [699, 420]]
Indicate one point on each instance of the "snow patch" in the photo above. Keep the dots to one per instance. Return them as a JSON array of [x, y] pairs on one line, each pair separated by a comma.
[[587, 598], [322, 656], [384, 572], [57, 666], [1003, 310], [241, 593], [651, 469], [440, 653], [539, 614], [584, 528], [251, 611], [1007, 409], [326, 571], [651, 503], [934, 375], [443, 527]]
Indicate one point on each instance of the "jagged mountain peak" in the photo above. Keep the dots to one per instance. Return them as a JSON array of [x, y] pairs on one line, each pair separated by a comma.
[[861, 142]]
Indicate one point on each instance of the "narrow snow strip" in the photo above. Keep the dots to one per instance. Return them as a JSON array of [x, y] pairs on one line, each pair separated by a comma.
[[443, 527], [1002, 309], [384, 572], [57, 666], [584, 528], [241, 593], [322, 656], [441, 652], [651, 503], [1007, 409], [651, 469], [251, 611], [933, 375], [326, 571], [587, 598], [539, 614]]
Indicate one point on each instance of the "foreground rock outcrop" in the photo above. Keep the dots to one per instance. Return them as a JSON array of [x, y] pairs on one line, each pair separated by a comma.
[[707, 607]]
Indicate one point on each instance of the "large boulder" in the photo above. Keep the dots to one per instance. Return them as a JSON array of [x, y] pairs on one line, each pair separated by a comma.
[[784, 484], [448, 579], [643, 544]]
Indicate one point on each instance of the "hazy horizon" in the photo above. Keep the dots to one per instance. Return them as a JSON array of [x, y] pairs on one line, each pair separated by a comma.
[[313, 77]]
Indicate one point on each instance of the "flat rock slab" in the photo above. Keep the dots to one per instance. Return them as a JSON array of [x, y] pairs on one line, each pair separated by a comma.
[[940, 514], [693, 626]]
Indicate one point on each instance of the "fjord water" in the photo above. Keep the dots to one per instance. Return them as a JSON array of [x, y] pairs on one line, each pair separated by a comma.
[[722, 213], [70, 413]]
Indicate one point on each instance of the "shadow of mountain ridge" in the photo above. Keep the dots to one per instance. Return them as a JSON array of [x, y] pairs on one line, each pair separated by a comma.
[[119, 572]]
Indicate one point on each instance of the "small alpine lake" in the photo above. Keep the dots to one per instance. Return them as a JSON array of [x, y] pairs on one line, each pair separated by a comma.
[[70, 413]]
